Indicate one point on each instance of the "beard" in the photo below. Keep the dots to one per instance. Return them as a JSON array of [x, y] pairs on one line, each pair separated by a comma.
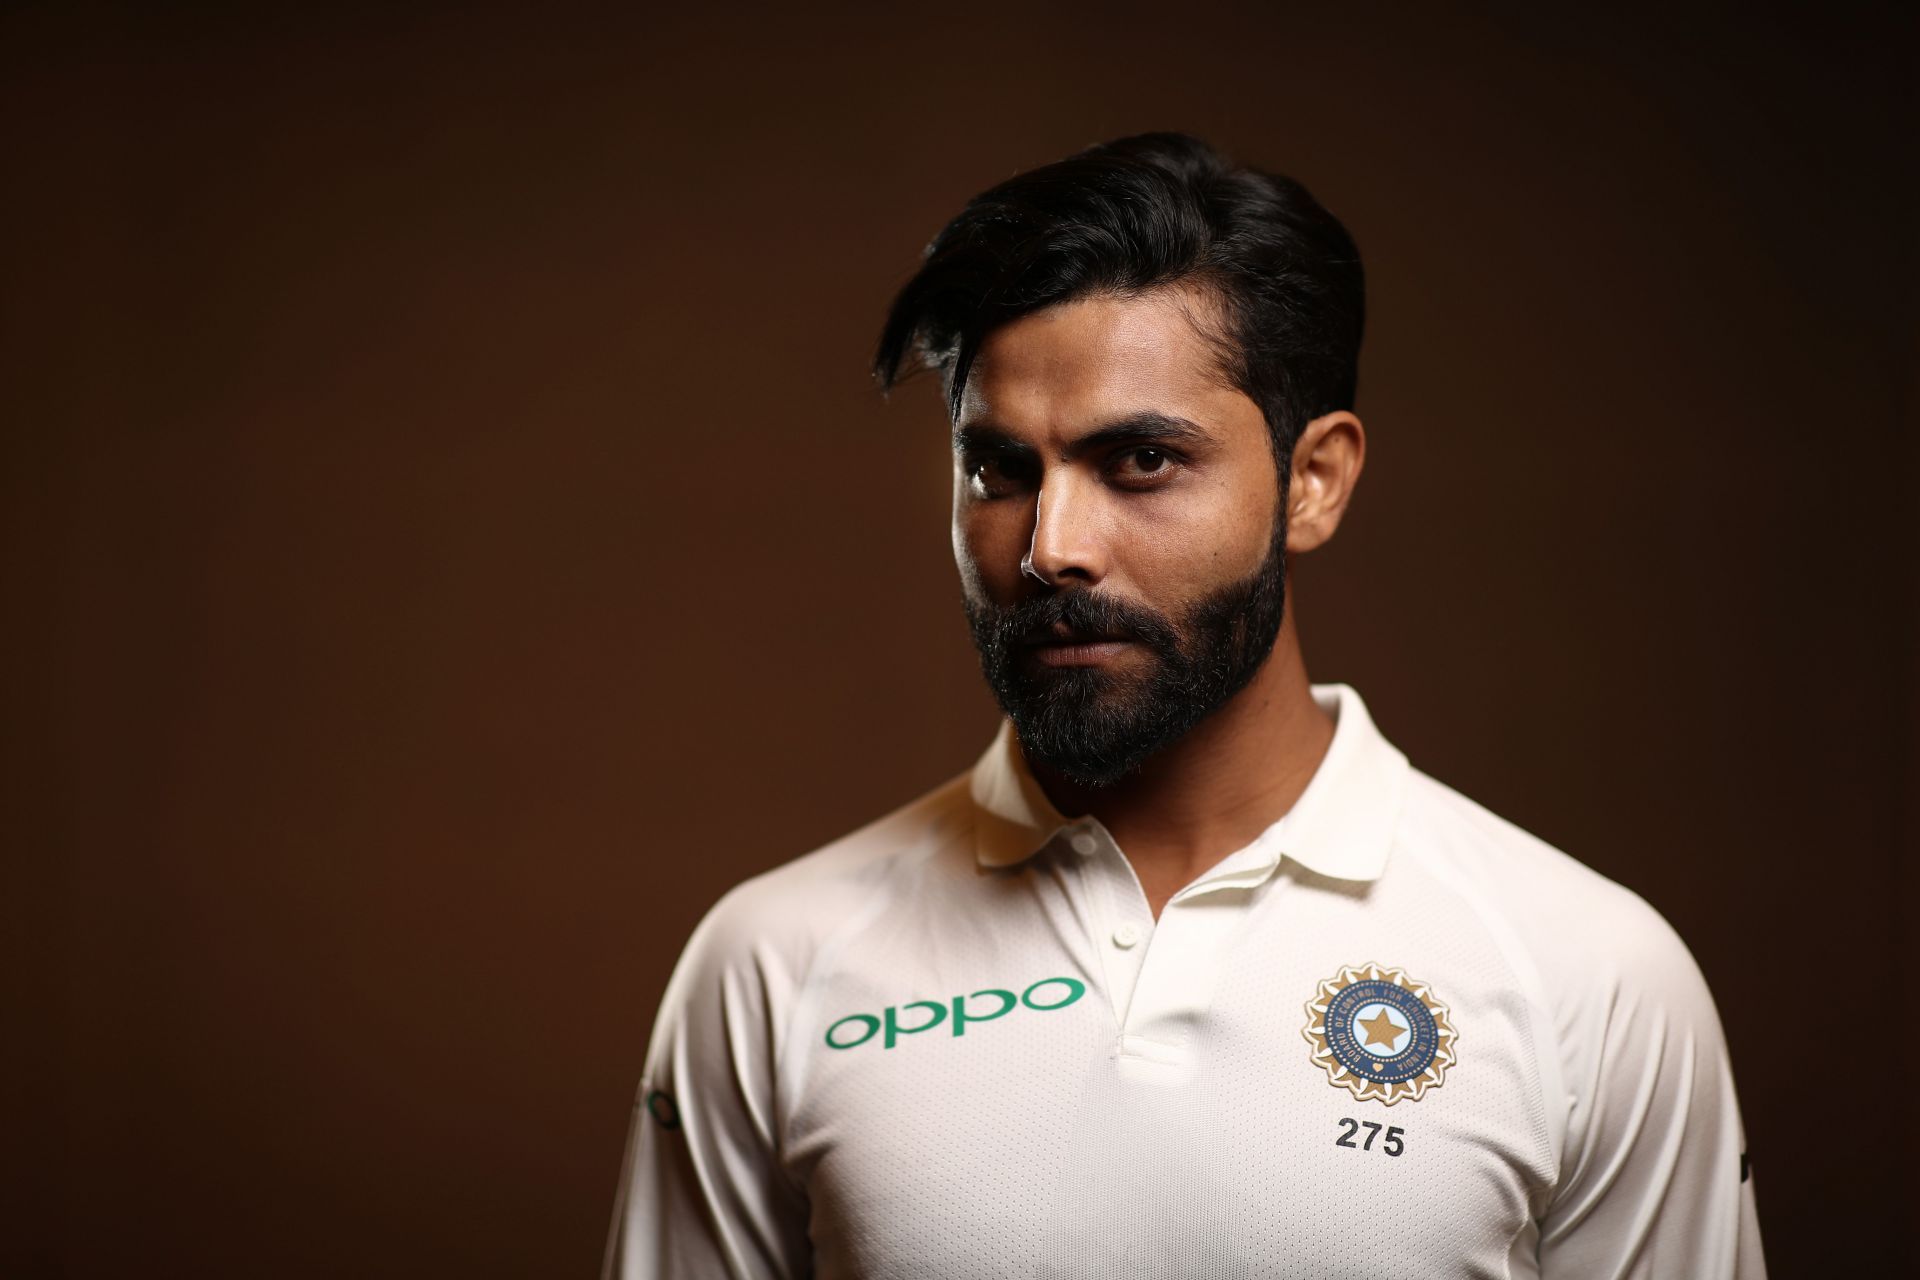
[[1096, 727]]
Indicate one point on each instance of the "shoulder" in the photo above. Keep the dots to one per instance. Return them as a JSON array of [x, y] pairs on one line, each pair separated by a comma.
[[777, 922], [1623, 1022], [1587, 939]]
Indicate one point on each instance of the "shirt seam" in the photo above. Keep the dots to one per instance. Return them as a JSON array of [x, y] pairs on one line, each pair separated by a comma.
[[1526, 980], [940, 836]]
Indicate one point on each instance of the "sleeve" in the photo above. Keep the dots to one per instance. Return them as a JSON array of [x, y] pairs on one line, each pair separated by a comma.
[[702, 1193], [1655, 1180]]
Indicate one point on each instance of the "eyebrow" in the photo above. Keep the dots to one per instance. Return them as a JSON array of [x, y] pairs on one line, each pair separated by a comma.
[[1148, 424]]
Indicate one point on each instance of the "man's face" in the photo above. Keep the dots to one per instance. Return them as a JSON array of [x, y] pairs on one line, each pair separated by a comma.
[[1110, 485]]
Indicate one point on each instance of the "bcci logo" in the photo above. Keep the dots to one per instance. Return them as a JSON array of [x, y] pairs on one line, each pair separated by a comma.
[[1380, 1034]]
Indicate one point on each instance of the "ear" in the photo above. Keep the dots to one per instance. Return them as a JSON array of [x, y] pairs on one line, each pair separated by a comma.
[[1326, 466]]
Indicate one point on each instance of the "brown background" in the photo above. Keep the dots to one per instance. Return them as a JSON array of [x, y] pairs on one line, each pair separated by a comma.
[[450, 539]]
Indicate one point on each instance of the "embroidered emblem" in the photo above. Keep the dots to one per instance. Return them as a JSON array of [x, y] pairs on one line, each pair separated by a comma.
[[1380, 1034]]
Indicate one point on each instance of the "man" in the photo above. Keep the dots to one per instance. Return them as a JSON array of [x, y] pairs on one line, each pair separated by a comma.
[[1191, 974]]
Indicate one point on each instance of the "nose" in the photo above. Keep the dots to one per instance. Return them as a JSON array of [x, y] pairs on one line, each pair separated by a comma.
[[1066, 537]]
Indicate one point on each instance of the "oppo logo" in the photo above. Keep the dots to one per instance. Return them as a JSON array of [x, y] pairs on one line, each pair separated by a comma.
[[1043, 996]]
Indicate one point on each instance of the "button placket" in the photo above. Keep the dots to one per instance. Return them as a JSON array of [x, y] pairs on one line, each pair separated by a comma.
[[1114, 897], [1174, 986]]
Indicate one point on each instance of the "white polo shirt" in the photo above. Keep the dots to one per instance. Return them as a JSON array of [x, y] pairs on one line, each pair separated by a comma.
[[1395, 1036]]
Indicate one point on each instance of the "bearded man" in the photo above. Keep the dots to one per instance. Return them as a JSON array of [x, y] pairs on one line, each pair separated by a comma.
[[1192, 973]]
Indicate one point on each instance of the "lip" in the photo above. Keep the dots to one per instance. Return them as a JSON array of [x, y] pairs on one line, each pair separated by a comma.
[[1082, 654], [1059, 633]]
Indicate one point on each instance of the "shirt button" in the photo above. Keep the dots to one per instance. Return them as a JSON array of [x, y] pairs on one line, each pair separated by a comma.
[[1084, 843], [1126, 935]]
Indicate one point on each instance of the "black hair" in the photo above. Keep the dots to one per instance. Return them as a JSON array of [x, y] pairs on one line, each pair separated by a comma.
[[1136, 214]]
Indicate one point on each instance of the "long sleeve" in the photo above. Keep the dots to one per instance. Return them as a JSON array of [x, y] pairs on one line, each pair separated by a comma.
[[701, 1190]]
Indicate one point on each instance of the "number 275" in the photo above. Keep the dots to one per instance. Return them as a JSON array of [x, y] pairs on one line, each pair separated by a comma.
[[1349, 1128]]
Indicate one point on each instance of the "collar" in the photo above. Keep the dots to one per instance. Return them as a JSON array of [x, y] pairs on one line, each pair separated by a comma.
[[1341, 826]]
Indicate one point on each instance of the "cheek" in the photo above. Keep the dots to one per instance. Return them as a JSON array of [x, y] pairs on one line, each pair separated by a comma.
[[979, 554], [965, 556], [966, 562], [1248, 519], [1204, 546]]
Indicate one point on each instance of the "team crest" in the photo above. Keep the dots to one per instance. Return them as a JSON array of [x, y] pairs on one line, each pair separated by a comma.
[[1380, 1034]]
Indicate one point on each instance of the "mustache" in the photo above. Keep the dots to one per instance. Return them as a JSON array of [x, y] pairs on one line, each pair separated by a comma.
[[1083, 613]]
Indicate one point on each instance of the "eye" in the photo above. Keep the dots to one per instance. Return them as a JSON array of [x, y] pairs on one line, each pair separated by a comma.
[[993, 475], [1149, 461]]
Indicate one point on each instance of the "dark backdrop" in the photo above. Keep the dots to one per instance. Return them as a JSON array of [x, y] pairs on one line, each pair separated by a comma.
[[450, 538]]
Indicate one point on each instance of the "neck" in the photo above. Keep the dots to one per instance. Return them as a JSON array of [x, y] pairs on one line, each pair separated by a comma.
[[1214, 791]]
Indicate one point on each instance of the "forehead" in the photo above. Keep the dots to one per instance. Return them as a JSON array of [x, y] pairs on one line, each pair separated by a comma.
[[1104, 357]]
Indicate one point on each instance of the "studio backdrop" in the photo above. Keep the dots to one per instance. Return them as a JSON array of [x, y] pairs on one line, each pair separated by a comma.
[[451, 537]]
